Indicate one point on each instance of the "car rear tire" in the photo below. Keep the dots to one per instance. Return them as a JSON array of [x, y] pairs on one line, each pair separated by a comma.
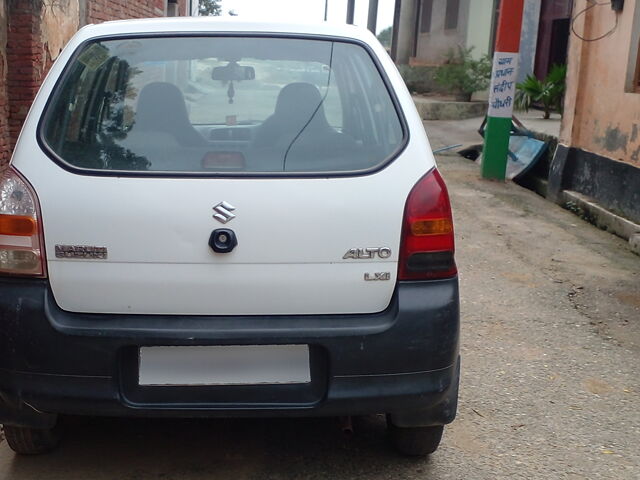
[[415, 441], [30, 441]]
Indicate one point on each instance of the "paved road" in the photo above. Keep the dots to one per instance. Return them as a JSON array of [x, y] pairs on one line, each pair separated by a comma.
[[550, 387]]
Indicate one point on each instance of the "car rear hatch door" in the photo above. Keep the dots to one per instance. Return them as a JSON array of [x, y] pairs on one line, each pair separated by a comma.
[[133, 178], [292, 238]]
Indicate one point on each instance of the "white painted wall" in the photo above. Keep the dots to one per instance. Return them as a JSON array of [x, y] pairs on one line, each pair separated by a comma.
[[479, 26]]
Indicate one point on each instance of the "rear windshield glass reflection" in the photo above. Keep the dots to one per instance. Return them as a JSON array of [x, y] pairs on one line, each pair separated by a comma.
[[223, 104]]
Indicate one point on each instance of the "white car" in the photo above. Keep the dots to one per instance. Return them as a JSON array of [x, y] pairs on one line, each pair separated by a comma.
[[208, 218]]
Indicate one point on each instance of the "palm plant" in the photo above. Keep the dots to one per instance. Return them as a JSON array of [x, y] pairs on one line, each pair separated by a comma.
[[548, 92]]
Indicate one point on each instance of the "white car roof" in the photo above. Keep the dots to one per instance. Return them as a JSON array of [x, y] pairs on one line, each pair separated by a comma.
[[225, 25]]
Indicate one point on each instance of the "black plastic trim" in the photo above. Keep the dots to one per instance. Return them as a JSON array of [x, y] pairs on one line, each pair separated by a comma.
[[402, 361], [305, 395], [126, 173], [213, 327]]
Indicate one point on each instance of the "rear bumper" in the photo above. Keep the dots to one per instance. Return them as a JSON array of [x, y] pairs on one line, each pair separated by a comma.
[[403, 361]]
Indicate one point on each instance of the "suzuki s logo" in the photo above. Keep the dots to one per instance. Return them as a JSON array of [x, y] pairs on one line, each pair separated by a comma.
[[223, 212], [367, 253]]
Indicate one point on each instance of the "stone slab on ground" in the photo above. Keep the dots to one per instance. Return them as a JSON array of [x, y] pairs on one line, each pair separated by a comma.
[[634, 243], [591, 211], [435, 109]]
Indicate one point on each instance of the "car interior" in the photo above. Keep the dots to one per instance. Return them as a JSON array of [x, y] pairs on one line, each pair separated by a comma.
[[144, 108]]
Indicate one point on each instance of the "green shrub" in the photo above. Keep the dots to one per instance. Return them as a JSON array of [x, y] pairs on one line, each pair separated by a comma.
[[419, 79], [462, 75]]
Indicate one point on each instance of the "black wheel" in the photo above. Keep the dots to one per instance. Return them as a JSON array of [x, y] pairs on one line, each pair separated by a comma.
[[30, 441], [415, 441]]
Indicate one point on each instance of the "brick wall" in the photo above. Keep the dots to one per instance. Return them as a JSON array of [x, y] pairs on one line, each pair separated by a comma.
[[4, 104], [27, 59], [104, 10], [31, 36]]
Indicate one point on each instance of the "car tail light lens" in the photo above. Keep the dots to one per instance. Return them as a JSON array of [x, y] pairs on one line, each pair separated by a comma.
[[21, 242], [427, 245]]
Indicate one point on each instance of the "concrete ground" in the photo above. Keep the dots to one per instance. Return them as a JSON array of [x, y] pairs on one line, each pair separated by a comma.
[[443, 133], [550, 386], [533, 121]]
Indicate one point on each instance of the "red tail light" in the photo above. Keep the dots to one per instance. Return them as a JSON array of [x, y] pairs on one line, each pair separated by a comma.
[[427, 245], [21, 242]]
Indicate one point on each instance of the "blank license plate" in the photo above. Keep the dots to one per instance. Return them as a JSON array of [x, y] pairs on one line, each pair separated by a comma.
[[224, 365]]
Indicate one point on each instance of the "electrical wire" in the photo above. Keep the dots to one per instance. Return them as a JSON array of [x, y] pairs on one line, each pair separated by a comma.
[[593, 4]]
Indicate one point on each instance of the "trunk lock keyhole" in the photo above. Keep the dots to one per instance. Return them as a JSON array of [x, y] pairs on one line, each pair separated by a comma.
[[223, 240]]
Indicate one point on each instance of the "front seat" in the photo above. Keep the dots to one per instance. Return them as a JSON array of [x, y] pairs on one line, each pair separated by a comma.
[[161, 109], [295, 107]]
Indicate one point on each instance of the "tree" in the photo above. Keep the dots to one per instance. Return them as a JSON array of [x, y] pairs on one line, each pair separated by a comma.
[[209, 7], [385, 37]]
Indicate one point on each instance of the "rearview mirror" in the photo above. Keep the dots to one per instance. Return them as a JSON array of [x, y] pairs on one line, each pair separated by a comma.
[[233, 73]]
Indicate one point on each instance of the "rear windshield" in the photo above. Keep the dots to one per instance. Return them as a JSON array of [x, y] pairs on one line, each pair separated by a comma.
[[222, 105]]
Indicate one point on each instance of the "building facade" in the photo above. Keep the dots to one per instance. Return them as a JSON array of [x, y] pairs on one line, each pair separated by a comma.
[[599, 151], [428, 29], [32, 34], [553, 33], [441, 26]]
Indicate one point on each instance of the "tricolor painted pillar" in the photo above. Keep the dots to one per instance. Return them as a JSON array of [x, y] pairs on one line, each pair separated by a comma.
[[502, 90]]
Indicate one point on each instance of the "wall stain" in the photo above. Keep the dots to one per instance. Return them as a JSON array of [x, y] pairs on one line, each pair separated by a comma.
[[60, 20], [614, 140], [634, 132]]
